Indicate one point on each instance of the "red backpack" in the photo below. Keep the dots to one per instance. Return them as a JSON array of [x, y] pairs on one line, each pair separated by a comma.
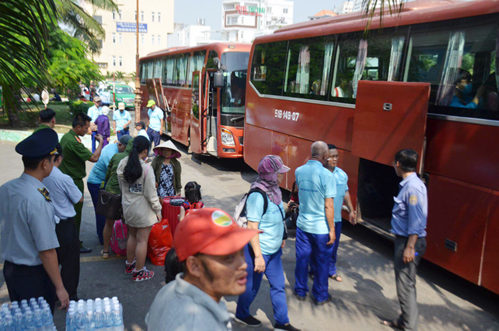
[[188, 207]]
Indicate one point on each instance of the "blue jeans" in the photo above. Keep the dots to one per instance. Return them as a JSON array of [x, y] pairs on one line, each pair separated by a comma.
[[308, 244], [100, 220], [154, 136], [332, 262], [94, 133], [122, 133], [275, 275]]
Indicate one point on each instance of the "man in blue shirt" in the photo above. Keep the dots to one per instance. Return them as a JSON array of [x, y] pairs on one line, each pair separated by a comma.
[[156, 122], [122, 120], [94, 112], [315, 232], [409, 215], [65, 194], [342, 197]]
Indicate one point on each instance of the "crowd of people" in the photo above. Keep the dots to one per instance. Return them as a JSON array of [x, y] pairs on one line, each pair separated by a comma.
[[213, 255]]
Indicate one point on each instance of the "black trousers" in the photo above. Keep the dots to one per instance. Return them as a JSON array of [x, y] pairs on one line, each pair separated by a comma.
[[68, 255], [405, 279], [26, 282]]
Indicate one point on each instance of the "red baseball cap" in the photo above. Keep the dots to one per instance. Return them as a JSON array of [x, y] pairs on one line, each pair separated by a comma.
[[210, 231]]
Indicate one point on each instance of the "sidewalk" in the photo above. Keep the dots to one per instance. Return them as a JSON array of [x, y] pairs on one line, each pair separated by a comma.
[[18, 135]]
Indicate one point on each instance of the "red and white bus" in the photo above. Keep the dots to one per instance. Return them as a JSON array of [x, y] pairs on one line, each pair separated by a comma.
[[401, 86], [203, 91]]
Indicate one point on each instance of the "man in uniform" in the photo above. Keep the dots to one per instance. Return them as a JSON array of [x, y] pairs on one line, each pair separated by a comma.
[[156, 121], [409, 215], [94, 112], [122, 120], [315, 232], [47, 119], [73, 163], [27, 223], [65, 194]]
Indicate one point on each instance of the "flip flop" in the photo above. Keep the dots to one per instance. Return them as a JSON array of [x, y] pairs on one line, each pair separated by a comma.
[[391, 324], [105, 255], [337, 278]]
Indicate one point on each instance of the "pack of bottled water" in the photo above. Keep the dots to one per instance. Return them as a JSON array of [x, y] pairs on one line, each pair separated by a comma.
[[99, 314], [32, 315]]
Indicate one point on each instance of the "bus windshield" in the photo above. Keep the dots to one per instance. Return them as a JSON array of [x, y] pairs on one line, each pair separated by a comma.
[[234, 90]]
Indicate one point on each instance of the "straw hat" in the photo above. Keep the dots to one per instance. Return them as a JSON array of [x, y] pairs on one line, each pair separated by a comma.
[[167, 144]]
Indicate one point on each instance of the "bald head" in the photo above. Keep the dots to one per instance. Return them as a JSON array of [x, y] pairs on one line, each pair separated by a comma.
[[319, 148]]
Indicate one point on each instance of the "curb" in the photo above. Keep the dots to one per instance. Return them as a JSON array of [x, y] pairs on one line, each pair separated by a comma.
[[17, 136]]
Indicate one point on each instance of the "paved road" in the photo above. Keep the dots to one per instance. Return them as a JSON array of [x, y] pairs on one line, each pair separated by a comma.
[[367, 293]]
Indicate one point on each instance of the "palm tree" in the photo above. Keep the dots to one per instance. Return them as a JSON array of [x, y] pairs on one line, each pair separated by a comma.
[[370, 7], [24, 27], [81, 23], [119, 75]]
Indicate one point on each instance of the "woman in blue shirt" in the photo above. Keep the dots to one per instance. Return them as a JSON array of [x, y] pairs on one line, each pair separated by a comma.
[[263, 254]]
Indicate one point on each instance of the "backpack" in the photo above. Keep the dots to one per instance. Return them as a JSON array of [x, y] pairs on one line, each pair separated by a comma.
[[240, 211], [119, 238]]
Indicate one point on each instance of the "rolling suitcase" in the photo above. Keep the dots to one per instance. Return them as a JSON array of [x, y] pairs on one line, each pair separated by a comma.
[[171, 213]]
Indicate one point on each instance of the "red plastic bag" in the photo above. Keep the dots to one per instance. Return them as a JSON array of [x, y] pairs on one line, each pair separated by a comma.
[[160, 242]]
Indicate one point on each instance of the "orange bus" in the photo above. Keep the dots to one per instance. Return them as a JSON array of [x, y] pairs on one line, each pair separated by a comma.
[[426, 80], [202, 90]]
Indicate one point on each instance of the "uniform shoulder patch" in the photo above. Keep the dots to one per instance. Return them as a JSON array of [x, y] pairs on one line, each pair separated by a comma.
[[413, 199], [45, 194], [78, 139]]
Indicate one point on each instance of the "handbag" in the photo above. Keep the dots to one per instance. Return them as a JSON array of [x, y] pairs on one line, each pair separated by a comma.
[[109, 205]]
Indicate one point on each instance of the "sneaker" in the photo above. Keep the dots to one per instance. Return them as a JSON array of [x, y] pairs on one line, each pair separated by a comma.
[[285, 327], [142, 275], [249, 321], [129, 267]]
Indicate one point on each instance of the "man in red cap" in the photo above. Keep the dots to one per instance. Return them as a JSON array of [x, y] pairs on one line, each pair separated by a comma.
[[209, 246]]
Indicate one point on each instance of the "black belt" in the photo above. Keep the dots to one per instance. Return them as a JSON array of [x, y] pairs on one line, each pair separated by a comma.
[[23, 267], [66, 219]]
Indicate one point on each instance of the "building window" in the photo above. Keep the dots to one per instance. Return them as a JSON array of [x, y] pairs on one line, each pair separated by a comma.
[[242, 20], [285, 10], [121, 14], [121, 61], [242, 35], [159, 40], [232, 20], [152, 40], [114, 61], [114, 15], [159, 17], [135, 13], [152, 17], [268, 23], [142, 39], [114, 38], [142, 16], [269, 10], [120, 38]]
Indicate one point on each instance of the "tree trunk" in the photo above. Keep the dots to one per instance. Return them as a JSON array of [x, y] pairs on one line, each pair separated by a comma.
[[12, 106]]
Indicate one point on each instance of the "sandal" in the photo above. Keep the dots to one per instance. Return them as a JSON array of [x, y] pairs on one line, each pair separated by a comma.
[[105, 255], [337, 278], [392, 324]]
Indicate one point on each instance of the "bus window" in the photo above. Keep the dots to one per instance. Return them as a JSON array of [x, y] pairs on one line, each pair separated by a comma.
[[384, 58], [307, 67], [234, 91], [345, 68], [170, 64], [150, 69], [182, 69], [195, 64], [158, 68], [466, 84], [209, 63], [143, 72], [267, 70]]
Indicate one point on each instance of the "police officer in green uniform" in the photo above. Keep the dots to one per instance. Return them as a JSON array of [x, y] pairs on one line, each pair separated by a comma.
[[47, 119], [27, 225], [75, 155]]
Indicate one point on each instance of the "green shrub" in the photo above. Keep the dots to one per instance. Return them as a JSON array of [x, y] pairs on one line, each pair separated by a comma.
[[79, 106]]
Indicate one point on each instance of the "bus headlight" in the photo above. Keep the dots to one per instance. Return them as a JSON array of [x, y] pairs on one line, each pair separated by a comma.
[[227, 137]]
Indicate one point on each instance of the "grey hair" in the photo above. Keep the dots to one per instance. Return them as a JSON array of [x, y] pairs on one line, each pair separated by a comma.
[[319, 148]]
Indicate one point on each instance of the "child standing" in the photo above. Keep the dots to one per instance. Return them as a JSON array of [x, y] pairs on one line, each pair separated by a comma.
[[192, 199], [103, 127]]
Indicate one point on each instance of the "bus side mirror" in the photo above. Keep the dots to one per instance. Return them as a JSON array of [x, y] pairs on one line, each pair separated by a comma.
[[218, 79]]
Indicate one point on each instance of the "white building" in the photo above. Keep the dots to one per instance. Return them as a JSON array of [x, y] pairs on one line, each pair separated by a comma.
[[351, 6], [119, 46], [242, 21], [190, 35]]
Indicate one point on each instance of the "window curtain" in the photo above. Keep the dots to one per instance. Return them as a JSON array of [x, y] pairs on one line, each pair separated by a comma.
[[158, 69], [452, 64], [359, 66], [303, 71], [182, 66], [192, 68], [328, 58], [395, 58], [200, 62], [150, 70], [170, 63]]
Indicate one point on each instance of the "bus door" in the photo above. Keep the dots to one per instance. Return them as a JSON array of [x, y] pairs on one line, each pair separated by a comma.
[[198, 121], [211, 115], [389, 116]]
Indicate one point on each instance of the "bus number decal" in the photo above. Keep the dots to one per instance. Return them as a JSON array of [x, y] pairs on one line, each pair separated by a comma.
[[287, 115]]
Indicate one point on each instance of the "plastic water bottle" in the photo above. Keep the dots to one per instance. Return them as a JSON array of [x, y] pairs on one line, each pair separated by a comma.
[[28, 321], [71, 320], [18, 321], [117, 318], [108, 319], [8, 323], [80, 318], [47, 318], [37, 318]]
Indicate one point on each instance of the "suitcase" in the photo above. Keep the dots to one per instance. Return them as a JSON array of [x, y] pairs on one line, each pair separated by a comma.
[[171, 213]]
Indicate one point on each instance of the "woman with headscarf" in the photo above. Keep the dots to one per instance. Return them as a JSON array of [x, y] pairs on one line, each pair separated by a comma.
[[263, 254], [167, 169]]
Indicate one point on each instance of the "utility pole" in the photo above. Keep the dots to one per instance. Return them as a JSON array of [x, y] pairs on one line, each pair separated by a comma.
[[138, 99]]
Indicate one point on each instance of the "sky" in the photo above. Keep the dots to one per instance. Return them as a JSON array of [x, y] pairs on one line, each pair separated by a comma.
[[188, 11]]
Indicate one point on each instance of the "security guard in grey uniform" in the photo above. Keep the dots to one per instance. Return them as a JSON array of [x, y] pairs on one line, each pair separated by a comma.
[[27, 225]]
